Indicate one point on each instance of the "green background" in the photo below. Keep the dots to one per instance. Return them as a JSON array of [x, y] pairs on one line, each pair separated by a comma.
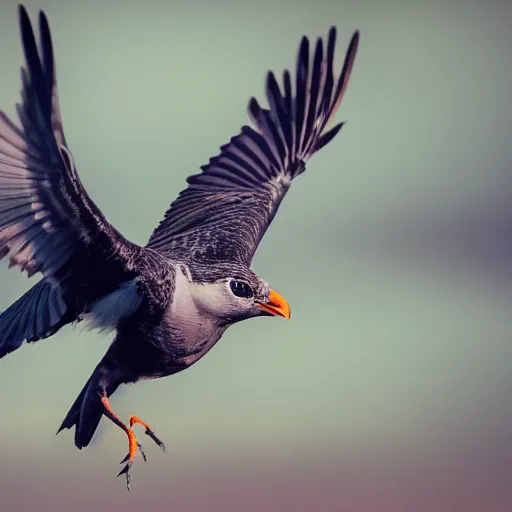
[[390, 388]]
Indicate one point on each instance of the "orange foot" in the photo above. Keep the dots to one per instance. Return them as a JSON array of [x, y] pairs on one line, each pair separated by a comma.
[[149, 431], [133, 445]]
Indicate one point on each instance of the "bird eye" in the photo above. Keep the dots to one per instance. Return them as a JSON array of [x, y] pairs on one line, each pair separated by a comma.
[[241, 289]]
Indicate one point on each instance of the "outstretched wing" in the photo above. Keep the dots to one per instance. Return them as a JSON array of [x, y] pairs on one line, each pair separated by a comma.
[[48, 223], [226, 209]]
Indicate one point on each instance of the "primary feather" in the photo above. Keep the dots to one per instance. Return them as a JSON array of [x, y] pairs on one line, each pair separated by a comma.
[[225, 211]]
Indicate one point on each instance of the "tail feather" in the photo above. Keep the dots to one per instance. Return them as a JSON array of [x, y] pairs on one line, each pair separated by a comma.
[[73, 414], [86, 412]]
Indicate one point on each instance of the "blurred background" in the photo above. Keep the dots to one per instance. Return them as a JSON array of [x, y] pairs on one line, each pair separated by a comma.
[[390, 389]]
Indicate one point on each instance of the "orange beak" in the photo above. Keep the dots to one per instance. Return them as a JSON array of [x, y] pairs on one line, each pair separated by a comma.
[[276, 305]]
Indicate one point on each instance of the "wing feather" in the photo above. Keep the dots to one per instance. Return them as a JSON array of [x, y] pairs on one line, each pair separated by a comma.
[[48, 223], [226, 209]]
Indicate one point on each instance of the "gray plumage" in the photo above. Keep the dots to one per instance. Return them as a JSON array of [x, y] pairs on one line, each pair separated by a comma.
[[170, 301]]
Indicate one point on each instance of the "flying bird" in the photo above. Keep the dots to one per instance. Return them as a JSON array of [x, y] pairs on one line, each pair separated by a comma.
[[170, 301]]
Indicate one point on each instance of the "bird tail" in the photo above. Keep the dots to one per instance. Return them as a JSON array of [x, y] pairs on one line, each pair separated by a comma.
[[87, 410]]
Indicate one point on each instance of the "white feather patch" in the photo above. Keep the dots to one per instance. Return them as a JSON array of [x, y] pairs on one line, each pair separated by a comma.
[[106, 312]]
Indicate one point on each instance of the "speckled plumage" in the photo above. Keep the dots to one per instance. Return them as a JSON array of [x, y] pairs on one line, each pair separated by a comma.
[[171, 301]]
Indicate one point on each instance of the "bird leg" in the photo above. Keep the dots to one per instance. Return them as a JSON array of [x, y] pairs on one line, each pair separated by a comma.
[[149, 431], [133, 444]]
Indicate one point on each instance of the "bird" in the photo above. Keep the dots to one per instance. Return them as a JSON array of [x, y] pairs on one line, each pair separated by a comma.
[[170, 301]]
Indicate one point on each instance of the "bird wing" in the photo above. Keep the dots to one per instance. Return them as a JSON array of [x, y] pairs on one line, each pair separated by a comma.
[[48, 223], [225, 210]]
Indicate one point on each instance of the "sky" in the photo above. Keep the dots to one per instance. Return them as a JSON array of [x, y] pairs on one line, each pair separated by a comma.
[[389, 389]]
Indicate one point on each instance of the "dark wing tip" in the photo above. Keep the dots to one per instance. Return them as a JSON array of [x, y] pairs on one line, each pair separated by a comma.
[[22, 12], [331, 37], [254, 110], [303, 56], [24, 21], [47, 48], [44, 28], [28, 38], [354, 43], [43, 19], [331, 42], [326, 137], [349, 59], [304, 42], [304, 47], [39, 68]]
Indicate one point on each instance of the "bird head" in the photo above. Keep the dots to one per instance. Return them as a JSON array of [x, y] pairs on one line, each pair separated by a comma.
[[235, 293]]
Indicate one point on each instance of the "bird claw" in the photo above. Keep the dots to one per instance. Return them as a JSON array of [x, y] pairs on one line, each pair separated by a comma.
[[126, 471], [128, 466], [133, 444], [150, 433], [139, 446]]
